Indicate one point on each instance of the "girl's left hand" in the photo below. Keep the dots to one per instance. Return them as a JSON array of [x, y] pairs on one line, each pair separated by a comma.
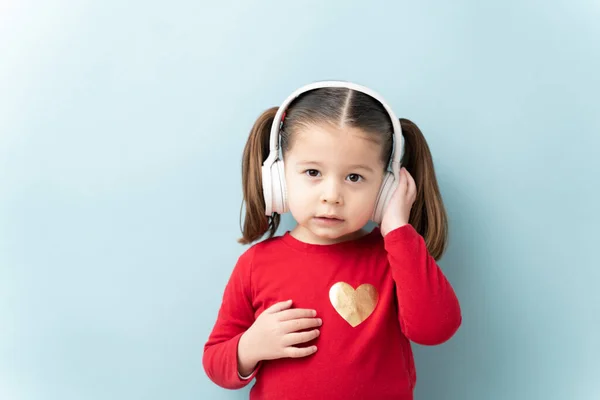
[[397, 212]]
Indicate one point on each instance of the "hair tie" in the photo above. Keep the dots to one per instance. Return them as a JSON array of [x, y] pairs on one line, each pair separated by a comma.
[[282, 119]]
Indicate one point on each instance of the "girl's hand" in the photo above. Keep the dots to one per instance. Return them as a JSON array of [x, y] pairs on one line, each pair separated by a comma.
[[274, 335], [397, 211]]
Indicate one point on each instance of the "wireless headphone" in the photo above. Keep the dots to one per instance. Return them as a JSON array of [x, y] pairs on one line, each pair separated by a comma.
[[273, 177]]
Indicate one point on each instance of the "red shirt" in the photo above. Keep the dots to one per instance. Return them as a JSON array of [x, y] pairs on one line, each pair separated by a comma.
[[410, 299]]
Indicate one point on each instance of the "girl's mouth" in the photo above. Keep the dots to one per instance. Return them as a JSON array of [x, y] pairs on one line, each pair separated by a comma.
[[328, 220]]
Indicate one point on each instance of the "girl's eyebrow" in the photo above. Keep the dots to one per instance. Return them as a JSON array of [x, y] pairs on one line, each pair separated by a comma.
[[361, 166], [305, 162], [354, 166]]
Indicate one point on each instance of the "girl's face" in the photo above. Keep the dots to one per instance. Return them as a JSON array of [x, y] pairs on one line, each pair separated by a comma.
[[333, 176]]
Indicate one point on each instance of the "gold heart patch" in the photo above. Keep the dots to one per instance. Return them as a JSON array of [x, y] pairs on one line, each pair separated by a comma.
[[354, 306]]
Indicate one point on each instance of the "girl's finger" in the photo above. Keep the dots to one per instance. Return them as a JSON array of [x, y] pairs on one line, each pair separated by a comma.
[[412, 187], [295, 313], [295, 338], [295, 325], [297, 352], [277, 307], [402, 185]]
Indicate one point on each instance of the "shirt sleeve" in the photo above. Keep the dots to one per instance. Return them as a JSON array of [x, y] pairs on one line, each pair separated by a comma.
[[428, 309], [235, 316]]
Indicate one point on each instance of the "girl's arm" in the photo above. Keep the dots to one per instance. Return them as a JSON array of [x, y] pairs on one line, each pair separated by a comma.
[[428, 309], [236, 315]]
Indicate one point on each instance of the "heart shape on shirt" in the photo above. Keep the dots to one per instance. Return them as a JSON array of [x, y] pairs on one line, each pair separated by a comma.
[[354, 306]]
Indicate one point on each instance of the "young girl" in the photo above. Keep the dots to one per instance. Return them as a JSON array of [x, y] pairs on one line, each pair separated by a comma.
[[328, 309]]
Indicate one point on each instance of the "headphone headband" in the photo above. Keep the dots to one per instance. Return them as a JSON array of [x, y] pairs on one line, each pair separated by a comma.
[[398, 148]]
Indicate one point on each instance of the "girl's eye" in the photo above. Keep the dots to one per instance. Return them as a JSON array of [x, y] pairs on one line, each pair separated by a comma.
[[354, 177], [313, 173]]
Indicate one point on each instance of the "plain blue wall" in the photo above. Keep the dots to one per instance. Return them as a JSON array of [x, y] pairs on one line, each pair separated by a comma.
[[121, 131]]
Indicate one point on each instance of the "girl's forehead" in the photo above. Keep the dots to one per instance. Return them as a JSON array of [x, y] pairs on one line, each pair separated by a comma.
[[335, 130], [334, 135], [335, 143]]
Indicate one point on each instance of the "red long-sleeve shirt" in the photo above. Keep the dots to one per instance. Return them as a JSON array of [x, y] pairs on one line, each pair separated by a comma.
[[372, 360]]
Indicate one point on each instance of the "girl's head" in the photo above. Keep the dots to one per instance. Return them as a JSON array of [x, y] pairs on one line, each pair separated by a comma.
[[336, 144]]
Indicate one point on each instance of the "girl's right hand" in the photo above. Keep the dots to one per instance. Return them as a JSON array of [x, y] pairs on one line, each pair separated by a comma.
[[274, 335]]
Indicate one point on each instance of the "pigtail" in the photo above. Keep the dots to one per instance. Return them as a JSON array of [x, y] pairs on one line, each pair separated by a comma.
[[428, 214], [256, 151]]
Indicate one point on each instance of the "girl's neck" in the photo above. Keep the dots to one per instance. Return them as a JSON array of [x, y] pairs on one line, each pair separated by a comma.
[[304, 235], [361, 238]]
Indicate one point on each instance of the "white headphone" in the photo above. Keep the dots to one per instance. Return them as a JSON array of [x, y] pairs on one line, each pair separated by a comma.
[[273, 177]]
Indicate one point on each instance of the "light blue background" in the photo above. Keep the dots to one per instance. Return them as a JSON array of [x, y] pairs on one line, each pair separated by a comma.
[[121, 131]]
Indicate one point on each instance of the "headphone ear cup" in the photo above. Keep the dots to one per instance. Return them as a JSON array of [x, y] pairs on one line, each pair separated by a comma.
[[278, 189], [267, 187], [284, 203], [386, 191]]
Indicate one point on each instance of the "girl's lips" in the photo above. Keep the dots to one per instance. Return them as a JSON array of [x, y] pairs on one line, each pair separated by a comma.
[[328, 220]]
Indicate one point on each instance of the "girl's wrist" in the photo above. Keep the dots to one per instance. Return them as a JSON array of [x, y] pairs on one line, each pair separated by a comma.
[[247, 360], [393, 227]]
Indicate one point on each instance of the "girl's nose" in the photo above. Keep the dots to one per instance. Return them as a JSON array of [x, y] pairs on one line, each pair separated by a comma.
[[331, 194]]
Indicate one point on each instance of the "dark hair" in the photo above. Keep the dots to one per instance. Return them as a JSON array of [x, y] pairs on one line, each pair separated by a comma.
[[342, 106]]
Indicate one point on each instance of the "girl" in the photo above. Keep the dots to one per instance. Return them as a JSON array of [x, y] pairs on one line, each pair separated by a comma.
[[328, 309]]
